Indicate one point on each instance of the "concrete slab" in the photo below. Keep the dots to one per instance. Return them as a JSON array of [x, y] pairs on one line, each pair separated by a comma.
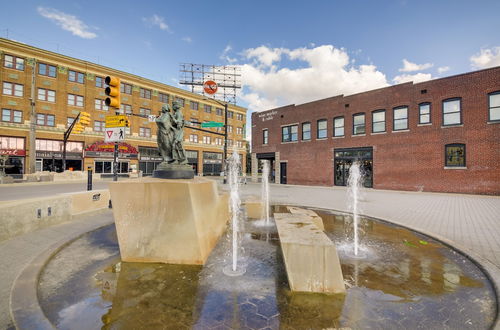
[[314, 216], [311, 259]]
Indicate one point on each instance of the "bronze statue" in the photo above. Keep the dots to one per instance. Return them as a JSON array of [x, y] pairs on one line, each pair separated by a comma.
[[170, 139]]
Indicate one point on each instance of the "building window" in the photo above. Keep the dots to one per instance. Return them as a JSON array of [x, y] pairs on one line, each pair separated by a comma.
[[229, 143], [145, 131], [46, 95], [145, 93], [424, 113], [494, 106], [47, 70], [125, 88], [239, 130], [193, 138], [239, 116], [207, 139], [75, 76], [230, 114], [378, 121], [452, 112], [98, 126], [207, 108], [13, 89], [70, 121], [181, 101], [218, 111], [144, 111], [163, 97], [338, 126], [265, 136], [125, 109], [101, 105], [358, 124], [75, 100], [289, 133], [455, 155], [99, 82], [218, 141], [400, 118], [306, 131], [12, 116], [229, 128], [193, 105], [13, 62], [322, 129], [45, 120]]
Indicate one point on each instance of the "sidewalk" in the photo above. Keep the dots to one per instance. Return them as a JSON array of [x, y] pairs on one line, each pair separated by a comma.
[[470, 223]]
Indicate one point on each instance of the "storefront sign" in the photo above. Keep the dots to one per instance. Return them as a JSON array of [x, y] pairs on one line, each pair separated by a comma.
[[13, 152], [58, 155], [269, 115], [103, 154], [151, 158]]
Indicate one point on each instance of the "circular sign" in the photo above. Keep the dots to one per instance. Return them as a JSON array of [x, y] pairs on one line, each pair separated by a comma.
[[210, 87]]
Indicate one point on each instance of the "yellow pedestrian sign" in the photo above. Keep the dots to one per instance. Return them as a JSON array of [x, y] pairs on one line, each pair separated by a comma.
[[117, 121]]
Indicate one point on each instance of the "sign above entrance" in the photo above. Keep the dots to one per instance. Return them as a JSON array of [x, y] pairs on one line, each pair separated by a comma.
[[114, 134], [210, 87], [117, 121]]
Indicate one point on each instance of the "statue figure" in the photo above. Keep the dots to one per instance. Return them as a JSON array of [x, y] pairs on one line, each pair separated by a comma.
[[178, 153], [170, 139], [165, 134]]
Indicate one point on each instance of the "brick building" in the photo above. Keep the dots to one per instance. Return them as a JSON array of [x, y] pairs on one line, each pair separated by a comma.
[[441, 135], [63, 86]]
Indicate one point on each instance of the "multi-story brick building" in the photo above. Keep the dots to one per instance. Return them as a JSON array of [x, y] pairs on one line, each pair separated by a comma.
[[441, 135], [63, 86]]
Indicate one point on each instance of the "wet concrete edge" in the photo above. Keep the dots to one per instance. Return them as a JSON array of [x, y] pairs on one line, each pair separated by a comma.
[[25, 309]]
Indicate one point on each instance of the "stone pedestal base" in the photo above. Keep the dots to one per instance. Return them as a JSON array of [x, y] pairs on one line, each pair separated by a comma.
[[6, 179], [311, 259], [169, 221], [173, 171]]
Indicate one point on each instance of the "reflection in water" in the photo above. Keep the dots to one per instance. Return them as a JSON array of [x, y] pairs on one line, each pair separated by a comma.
[[406, 281]]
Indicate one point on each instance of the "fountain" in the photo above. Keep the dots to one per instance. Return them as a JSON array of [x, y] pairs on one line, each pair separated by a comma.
[[354, 183], [235, 212], [265, 190]]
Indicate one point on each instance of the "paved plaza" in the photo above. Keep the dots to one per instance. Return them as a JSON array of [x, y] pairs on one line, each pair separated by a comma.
[[470, 223]]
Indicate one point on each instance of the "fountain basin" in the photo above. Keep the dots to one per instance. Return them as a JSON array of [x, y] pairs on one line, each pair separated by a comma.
[[401, 283]]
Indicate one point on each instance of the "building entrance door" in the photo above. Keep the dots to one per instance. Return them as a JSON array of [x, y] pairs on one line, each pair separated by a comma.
[[283, 173], [343, 160]]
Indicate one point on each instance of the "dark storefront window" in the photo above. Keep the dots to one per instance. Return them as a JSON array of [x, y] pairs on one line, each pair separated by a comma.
[[455, 155], [343, 160], [212, 163]]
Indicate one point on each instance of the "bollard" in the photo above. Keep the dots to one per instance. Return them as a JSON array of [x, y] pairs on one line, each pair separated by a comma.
[[89, 178]]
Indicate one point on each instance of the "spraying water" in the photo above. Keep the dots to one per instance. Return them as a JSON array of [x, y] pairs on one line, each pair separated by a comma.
[[354, 183], [234, 166], [265, 190]]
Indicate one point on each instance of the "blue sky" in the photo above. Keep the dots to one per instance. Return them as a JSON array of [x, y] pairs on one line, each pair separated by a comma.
[[290, 52]]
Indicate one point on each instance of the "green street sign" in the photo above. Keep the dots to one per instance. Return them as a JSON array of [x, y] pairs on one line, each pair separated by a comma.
[[212, 124]]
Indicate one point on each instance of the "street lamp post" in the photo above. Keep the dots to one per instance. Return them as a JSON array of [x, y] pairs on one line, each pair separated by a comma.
[[224, 152]]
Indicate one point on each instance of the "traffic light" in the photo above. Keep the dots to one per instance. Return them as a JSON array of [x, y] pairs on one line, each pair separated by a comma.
[[78, 128], [84, 118], [113, 92]]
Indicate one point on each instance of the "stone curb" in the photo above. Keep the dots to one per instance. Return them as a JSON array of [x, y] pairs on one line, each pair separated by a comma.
[[25, 310]]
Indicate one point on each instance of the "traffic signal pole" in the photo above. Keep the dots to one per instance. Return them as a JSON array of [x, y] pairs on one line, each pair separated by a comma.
[[65, 140], [113, 100]]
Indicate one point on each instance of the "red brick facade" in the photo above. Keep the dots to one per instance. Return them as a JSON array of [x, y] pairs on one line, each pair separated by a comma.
[[413, 159]]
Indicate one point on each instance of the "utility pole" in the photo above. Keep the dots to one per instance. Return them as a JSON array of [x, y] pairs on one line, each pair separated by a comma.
[[224, 154], [32, 135]]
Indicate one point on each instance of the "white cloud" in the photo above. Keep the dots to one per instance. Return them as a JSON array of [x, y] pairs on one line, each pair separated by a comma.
[[156, 20], [225, 55], [327, 72], [409, 66], [417, 77], [486, 58], [187, 39], [67, 22], [443, 69]]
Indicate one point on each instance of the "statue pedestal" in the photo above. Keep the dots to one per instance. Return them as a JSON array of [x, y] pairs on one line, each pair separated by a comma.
[[168, 221], [173, 171]]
